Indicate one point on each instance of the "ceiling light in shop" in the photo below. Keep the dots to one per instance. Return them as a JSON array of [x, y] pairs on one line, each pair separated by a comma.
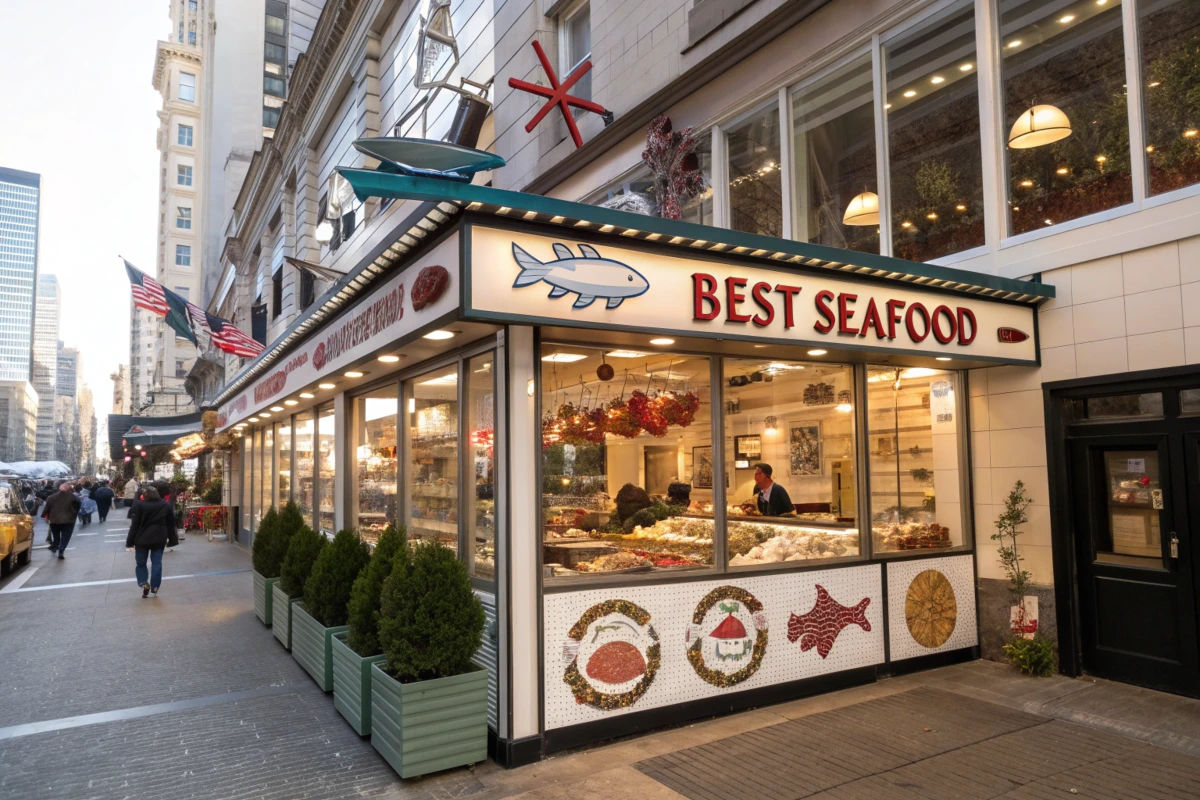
[[910, 93], [1101, 159], [253, 419], [662, 341], [307, 395], [845, 408], [564, 358], [887, 105], [906, 224], [625, 354], [449, 379], [325, 386], [277, 408], [439, 335], [943, 358], [1190, 133], [936, 79], [817, 352], [487, 367], [1037, 126], [1149, 148], [389, 359], [1153, 84], [1066, 18], [931, 215], [1015, 43], [961, 207], [966, 67], [1062, 170], [863, 210], [353, 374], [291, 402], [1027, 183], [263, 414]]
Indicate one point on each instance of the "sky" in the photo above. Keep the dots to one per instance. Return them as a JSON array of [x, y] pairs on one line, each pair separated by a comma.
[[78, 107]]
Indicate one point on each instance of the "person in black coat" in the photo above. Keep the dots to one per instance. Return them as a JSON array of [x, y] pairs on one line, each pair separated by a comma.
[[773, 500], [60, 511], [152, 528], [103, 495]]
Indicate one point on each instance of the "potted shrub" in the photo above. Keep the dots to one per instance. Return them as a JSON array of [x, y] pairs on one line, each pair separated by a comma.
[[266, 564], [357, 650], [428, 701], [303, 549], [323, 612]]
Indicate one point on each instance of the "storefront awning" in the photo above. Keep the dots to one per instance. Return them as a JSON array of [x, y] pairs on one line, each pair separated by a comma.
[[125, 431]]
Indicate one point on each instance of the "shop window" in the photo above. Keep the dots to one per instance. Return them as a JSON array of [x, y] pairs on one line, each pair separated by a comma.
[[283, 460], [326, 469], [627, 469], [789, 462], [375, 460], [1170, 52], [256, 502], [303, 492], [935, 159], [576, 36], [267, 475], [433, 478], [755, 185], [247, 499], [1114, 408], [834, 146], [699, 209], [277, 294], [1189, 402], [481, 457], [913, 438], [1065, 115]]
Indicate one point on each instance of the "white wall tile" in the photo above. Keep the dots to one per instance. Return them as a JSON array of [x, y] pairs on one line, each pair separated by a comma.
[[977, 382], [1191, 345], [981, 449], [987, 565], [1060, 279], [1058, 363], [1156, 350], [1056, 327], [981, 486], [1190, 295], [1106, 357], [1189, 260], [1097, 280], [1159, 310], [1039, 560], [1103, 319], [1016, 410], [1020, 447], [980, 420], [1013, 379], [1151, 268]]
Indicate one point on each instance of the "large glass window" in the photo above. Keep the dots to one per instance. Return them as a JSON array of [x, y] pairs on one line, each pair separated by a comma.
[[256, 501], [481, 454], [789, 461], [699, 209], [283, 461], [433, 478], [627, 464], [1170, 50], [1065, 116], [326, 469], [834, 146], [755, 185], [305, 466], [267, 475], [913, 437], [187, 87], [247, 481], [935, 159], [375, 459]]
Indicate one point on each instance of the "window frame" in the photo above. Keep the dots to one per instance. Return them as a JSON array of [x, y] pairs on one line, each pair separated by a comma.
[[181, 217], [183, 174], [179, 135], [187, 91], [183, 251]]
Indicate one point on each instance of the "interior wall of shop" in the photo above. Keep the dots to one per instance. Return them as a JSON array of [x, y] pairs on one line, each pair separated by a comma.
[[1122, 313]]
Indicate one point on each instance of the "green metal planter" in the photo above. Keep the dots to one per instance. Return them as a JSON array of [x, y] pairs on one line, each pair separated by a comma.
[[262, 597], [352, 684], [312, 646], [429, 726], [281, 613]]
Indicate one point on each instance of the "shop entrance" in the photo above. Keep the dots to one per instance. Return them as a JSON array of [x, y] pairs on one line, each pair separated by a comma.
[[1134, 485]]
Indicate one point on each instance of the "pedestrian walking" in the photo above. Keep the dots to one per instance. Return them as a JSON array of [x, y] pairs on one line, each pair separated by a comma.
[[87, 506], [103, 496], [152, 529], [60, 512], [131, 495], [32, 501]]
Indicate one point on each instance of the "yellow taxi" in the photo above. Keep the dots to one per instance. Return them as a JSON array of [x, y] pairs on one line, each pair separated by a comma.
[[16, 529]]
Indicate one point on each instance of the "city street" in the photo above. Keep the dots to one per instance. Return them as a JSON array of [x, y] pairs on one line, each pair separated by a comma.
[[108, 695]]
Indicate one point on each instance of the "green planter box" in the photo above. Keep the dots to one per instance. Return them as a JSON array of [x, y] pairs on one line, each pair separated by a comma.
[[262, 597], [281, 614], [312, 646], [429, 726], [352, 684]]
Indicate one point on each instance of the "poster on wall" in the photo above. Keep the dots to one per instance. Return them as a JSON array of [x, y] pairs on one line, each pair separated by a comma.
[[931, 606], [804, 449], [702, 467]]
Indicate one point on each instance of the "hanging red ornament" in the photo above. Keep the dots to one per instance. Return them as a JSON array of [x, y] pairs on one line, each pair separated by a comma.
[[558, 95], [672, 160]]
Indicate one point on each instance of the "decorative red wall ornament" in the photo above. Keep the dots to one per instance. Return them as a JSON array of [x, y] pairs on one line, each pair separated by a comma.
[[1011, 335], [558, 94]]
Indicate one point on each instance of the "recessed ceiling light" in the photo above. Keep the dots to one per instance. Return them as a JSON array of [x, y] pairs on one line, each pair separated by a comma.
[[307, 395], [1101, 2], [936, 79], [961, 207], [354, 374], [931, 215], [1101, 159], [389, 359], [253, 419], [943, 358], [564, 358], [662, 341], [277, 408], [1027, 183], [887, 105], [1190, 133], [910, 93], [817, 352], [625, 354], [906, 224], [1015, 43], [326, 386], [1155, 83], [439, 335], [1066, 18], [263, 414], [291, 402], [1149, 148], [967, 67], [1062, 170]]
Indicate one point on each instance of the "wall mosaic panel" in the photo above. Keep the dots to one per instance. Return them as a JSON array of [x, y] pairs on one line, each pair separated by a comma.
[[931, 606]]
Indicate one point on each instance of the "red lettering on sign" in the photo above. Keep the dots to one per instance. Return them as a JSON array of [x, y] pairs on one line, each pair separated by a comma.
[[893, 316], [704, 290], [844, 313], [822, 301], [759, 293], [733, 297], [945, 337], [912, 328], [871, 320], [789, 293], [966, 315]]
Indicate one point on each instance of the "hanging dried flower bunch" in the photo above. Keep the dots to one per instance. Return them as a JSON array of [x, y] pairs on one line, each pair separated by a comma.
[[648, 414], [619, 419], [671, 158]]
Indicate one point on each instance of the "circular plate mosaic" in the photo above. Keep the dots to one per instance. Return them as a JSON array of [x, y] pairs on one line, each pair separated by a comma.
[[727, 639], [612, 655], [930, 608]]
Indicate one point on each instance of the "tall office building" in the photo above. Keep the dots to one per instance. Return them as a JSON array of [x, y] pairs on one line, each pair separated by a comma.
[[121, 390], [45, 361], [20, 200], [68, 440]]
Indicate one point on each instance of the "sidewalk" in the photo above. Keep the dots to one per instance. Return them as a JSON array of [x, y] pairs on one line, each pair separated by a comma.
[[107, 695]]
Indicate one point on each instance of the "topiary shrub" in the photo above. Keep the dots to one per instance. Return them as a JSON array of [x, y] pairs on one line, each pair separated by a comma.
[[303, 549], [327, 590], [431, 622], [644, 518], [264, 552], [290, 520], [631, 499], [391, 548], [1036, 656]]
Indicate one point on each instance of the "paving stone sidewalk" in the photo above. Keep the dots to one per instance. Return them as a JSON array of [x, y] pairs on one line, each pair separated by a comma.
[[107, 695]]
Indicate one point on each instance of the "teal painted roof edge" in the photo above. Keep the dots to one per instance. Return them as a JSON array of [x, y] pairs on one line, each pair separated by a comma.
[[373, 183]]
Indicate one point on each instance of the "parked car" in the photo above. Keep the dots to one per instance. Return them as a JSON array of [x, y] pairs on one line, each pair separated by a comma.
[[16, 528]]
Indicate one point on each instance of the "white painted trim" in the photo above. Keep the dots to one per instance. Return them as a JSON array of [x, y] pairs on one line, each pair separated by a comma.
[[787, 141], [1133, 101], [720, 178], [1170, 197], [1069, 225], [989, 79], [882, 181]]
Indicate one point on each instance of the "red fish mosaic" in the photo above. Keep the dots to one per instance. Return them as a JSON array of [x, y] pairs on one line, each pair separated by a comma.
[[821, 626]]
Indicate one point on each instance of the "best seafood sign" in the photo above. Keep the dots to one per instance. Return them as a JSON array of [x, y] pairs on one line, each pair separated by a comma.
[[526, 277]]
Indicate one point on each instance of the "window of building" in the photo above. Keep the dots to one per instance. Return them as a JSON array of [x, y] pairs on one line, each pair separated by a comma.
[[256, 499], [183, 175], [185, 135], [480, 449], [834, 160], [755, 185], [270, 117], [575, 35], [267, 475], [305, 466], [191, 37], [936, 161], [180, 370], [1065, 115], [181, 31], [283, 460], [627, 462], [1170, 51], [277, 294], [183, 255], [187, 87], [789, 461], [308, 289], [326, 468], [375, 457], [913, 434], [183, 292], [433, 479], [276, 26], [183, 217], [192, 6], [274, 53], [273, 85]]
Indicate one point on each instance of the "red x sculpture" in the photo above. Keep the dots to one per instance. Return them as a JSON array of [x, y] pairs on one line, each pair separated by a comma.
[[557, 94]]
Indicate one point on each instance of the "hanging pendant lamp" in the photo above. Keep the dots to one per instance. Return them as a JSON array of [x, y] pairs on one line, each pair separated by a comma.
[[863, 210], [1039, 126]]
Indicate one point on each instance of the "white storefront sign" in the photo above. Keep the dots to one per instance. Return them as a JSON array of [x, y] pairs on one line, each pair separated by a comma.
[[525, 277]]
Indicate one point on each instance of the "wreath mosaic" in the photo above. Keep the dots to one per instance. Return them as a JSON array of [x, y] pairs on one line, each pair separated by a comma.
[[617, 661], [732, 641], [930, 609]]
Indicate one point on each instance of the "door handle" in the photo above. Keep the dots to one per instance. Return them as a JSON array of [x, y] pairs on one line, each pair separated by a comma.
[[1174, 545]]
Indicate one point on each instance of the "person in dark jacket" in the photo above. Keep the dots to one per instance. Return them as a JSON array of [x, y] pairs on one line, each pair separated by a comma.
[[152, 529], [103, 495], [60, 511], [773, 500]]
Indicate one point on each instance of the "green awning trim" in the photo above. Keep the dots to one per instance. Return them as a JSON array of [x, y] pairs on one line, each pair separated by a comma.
[[687, 236]]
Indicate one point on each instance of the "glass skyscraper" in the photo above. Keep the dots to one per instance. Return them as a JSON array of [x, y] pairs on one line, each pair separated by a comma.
[[20, 195]]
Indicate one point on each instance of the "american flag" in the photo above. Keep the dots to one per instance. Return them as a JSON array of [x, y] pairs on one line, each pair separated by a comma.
[[229, 338], [147, 292]]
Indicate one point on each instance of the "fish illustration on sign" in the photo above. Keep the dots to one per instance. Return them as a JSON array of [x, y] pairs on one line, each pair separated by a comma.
[[591, 276]]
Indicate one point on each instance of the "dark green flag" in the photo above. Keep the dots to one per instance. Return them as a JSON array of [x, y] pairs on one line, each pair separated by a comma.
[[177, 316]]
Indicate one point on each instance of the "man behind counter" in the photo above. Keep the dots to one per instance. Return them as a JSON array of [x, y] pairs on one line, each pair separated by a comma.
[[773, 500]]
